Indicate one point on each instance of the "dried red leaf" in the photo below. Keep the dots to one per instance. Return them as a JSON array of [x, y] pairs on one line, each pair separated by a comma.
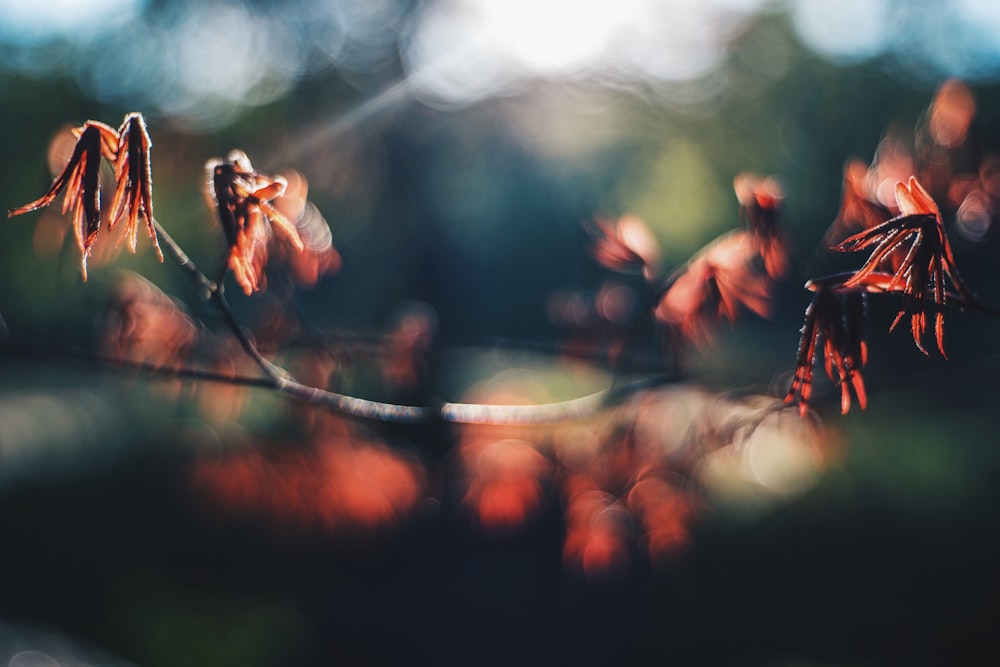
[[134, 190], [839, 328], [80, 178], [128, 150], [927, 267]]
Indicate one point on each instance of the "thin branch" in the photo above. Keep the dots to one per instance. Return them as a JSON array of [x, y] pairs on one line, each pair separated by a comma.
[[281, 381], [216, 293], [951, 298], [273, 371], [182, 260], [18, 347], [574, 409], [457, 413]]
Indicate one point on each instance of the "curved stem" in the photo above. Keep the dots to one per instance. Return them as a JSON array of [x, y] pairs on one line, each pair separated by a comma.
[[882, 284], [216, 293], [456, 413], [281, 381], [182, 260], [20, 347], [273, 371]]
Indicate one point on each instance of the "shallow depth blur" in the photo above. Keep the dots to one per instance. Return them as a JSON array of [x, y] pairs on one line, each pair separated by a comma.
[[501, 203]]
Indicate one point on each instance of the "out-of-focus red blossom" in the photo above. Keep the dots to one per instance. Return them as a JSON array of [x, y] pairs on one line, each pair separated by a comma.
[[665, 512], [318, 257], [146, 325], [219, 402], [571, 312], [504, 481], [978, 198], [956, 169], [926, 269], [312, 368], [242, 200], [599, 469], [615, 305], [951, 114], [760, 201], [597, 533], [989, 177], [844, 348], [625, 245], [860, 208], [894, 162], [367, 485], [49, 234], [594, 321], [352, 486], [404, 360], [714, 284], [592, 459], [944, 157]]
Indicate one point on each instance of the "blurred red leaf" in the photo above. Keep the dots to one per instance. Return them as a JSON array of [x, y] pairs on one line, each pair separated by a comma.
[[242, 198], [760, 201], [713, 286], [625, 245]]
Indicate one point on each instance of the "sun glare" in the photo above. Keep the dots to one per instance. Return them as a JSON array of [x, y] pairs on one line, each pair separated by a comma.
[[29, 20], [557, 35], [505, 44]]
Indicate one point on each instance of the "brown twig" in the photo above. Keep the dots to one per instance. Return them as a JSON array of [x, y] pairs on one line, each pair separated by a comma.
[[216, 293], [450, 412]]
